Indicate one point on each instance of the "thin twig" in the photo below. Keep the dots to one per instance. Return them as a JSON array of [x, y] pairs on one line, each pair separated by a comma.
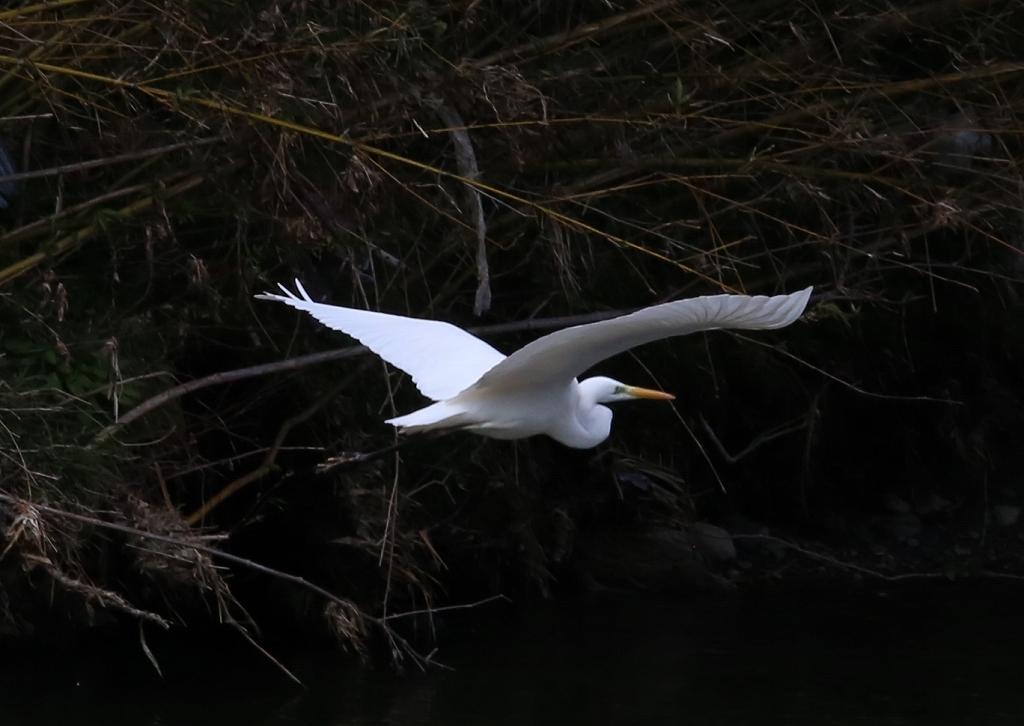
[[355, 458], [445, 608], [268, 461], [840, 563], [840, 381], [120, 158], [570, 36], [46, 224], [69, 242], [753, 445]]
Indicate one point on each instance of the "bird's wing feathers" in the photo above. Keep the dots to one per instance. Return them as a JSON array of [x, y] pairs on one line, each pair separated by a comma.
[[442, 359], [559, 357]]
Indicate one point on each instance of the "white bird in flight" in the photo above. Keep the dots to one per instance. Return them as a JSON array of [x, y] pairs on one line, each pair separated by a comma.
[[535, 390]]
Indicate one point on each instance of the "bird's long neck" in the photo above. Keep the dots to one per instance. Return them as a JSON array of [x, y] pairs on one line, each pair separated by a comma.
[[591, 423]]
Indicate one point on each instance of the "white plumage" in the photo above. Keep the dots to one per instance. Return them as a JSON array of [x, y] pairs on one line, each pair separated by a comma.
[[535, 390]]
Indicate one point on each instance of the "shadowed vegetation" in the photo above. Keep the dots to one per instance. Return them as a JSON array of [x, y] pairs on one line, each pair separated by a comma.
[[487, 162]]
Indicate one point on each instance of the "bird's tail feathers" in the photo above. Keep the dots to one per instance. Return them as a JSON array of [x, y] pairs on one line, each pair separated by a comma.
[[443, 415]]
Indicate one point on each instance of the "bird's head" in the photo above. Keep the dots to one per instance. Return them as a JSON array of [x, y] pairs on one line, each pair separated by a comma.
[[607, 390]]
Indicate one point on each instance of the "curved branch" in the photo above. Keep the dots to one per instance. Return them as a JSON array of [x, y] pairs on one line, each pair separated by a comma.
[[306, 360], [268, 461]]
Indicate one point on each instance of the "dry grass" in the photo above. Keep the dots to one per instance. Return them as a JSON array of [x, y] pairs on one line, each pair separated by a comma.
[[179, 157]]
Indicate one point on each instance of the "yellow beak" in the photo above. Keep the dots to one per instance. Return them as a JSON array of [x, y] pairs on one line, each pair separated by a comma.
[[648, 393]]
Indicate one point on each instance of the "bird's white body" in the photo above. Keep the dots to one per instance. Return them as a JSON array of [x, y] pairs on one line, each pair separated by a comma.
[[535, 390], [569, 414]]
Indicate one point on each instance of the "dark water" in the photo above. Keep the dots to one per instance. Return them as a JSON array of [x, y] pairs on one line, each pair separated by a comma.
[[947, 657]]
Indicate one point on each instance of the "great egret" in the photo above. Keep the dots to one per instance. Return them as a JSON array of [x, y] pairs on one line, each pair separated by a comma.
[[534, 390]]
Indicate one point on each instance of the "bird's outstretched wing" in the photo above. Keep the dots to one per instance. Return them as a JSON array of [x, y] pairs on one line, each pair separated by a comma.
[[442, 359], [556, 359]]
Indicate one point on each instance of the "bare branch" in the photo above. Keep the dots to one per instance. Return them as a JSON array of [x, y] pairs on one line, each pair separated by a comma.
[[465, 160], [331, 355]]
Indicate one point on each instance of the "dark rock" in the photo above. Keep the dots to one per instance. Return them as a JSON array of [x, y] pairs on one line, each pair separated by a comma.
[[635, 478], [658, 560], [900, 526], [713, 542], [1005, 515], [931, 504], [893, 503]]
